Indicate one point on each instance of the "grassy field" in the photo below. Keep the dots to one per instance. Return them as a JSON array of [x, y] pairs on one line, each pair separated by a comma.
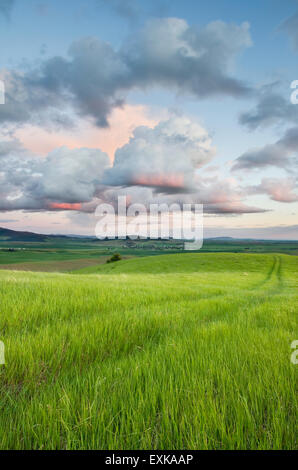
[[68, 254], [67, 265], [186, 351]]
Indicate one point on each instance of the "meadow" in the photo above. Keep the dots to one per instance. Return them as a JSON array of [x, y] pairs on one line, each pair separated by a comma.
[[66, 254], [180, 351]]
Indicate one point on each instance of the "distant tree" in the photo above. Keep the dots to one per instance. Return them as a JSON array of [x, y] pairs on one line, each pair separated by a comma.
[[115, 257]]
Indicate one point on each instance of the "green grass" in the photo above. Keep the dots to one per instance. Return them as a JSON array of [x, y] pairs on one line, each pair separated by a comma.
[[30, 255], [61, 250], [187, 351]]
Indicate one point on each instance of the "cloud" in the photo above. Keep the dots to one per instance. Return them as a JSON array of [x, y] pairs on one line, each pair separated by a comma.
[[164, 158], [278, 154], [7, 221], [122, 123], [169, 52], [95, 78], [233, 208], [35, 104], [290, 26], [132, 10], [129, 9], [278, 189], [63, 180], [222, 196], [6, 7], [218, 195], [9, 146], [158, 165], [272, 108]]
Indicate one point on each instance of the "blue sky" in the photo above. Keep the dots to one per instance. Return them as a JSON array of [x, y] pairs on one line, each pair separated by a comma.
[[56, 24], [257, 192]]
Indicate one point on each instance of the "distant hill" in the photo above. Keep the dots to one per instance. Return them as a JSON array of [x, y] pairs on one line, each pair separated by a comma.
[[17, 236], [13, 235], [7, 235], [221, 238]]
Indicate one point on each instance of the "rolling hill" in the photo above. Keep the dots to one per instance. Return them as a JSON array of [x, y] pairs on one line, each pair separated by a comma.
[[16, 236]]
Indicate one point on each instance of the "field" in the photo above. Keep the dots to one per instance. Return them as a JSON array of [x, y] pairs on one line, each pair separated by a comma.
[[63, 254], [179, 351]]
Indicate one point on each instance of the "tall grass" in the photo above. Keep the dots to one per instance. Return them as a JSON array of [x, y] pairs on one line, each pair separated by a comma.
[[172, 352]]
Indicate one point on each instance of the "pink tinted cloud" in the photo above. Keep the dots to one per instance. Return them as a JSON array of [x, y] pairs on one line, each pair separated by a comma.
[[122, 123], [65, 206], [281, 190]]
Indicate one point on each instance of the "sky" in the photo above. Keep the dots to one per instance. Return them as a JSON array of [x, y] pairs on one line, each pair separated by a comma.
[[162, 101]]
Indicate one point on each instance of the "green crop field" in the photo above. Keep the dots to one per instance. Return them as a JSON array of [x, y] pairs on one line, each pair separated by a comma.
[[185, 351]]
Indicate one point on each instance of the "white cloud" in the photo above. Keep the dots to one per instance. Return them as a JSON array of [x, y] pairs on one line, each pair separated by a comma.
[[164, 157]]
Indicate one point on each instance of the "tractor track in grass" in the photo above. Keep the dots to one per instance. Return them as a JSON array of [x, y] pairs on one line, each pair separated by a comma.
[[274, 274]]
